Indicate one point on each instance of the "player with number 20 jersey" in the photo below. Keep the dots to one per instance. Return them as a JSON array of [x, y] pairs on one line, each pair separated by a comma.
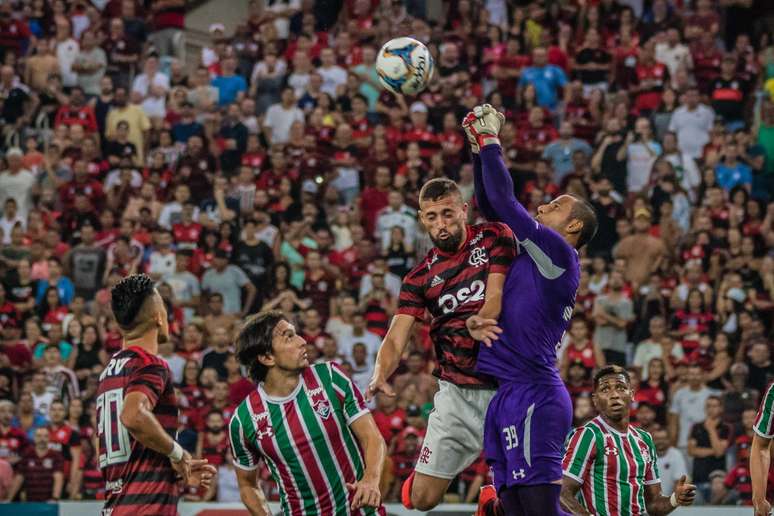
[[137, 479]]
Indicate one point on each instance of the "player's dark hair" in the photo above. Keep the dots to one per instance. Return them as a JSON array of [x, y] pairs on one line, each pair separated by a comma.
[[584, 212], [611, 370], [255, 340], [128, 297], [438, 188]]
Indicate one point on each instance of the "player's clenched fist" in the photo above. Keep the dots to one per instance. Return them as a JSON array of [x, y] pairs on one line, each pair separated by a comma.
[[482, 126]]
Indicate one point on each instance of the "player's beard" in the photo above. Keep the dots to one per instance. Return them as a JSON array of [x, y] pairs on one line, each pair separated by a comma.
[[449, 244], [162, 337]]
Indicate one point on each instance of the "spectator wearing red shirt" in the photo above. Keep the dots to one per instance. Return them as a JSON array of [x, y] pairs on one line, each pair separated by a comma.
[[533, 138], [652, 77], [580, 349], [389, 418], [82, 183], [77, 112], [40, 472], [404, 457], [706, 58], [66, 440], [187, 232], [313, 332], [212, 444], [374, 198], [507, 67], [14, 33], [13, 441], [420, 132]]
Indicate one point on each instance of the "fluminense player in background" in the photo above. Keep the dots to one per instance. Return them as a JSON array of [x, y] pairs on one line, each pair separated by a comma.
[[531, 414], [309, 423], [760, 456], [451, 283], [137, 412], [613, 464]]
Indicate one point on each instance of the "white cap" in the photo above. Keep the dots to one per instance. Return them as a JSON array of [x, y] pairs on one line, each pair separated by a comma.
[[14, 151], [217, 26], [418, 107]]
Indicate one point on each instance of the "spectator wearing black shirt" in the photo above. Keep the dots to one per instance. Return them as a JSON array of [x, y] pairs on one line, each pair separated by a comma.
[[255, 258], [219, 350], [593, 64], [728, 94], [707, 444]]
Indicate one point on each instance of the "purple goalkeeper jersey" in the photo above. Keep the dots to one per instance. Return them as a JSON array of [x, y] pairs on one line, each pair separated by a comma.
[[540, 286]]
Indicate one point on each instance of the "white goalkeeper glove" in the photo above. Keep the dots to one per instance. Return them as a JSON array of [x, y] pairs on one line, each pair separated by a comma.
[[482, 126]]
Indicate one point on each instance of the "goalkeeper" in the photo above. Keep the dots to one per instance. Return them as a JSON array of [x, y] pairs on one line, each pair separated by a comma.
[[531, 414]]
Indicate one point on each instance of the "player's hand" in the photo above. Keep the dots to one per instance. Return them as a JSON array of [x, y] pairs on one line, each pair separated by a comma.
[[685, 492], [484, 126], [483, 330], [762, 507], [467, 122], [377, 385], [202, 475], [365, 494]]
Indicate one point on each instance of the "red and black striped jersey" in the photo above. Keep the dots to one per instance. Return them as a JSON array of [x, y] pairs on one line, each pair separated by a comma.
[[452, 288], [138, 480]]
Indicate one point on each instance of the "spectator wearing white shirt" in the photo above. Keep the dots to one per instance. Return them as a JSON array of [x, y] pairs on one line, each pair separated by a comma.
[[162, 260], [150, 76], [396, 213], [172, 211], [655, 346], [9, 219], [671, 463], [674, 54], [692, 122], [17, 182], [67, 50], [641, 151], [279, 118], [283, 11], [685, 165], [332, 74]]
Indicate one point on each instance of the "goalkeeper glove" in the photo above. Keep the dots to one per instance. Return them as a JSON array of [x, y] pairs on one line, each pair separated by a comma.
[[483, 126]]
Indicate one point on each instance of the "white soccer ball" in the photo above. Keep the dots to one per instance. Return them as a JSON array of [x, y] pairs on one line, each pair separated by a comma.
[[404, 66]]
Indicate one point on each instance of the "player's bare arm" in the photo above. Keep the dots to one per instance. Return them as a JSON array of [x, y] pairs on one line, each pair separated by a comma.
[[250, 492], [569, 497], [659, 505], [483, 325], [138, 418], [366, 490], [760, 459], [388, 358]]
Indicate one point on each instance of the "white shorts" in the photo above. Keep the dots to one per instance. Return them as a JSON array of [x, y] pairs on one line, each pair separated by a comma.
[[455, 430]]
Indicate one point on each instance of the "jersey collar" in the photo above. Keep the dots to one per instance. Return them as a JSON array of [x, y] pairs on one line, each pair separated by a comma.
[[613, 430]]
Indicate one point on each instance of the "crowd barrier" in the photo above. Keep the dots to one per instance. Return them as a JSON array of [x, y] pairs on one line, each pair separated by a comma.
[[237, 509]]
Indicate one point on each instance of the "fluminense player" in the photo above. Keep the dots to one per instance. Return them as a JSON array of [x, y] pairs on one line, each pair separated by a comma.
[[137, 412], [450, 283], [309, 423], [760, 455], [531, 414], [613, 464]]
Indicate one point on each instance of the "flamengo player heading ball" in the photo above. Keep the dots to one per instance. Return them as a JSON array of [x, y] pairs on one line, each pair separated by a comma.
[[137, 412]]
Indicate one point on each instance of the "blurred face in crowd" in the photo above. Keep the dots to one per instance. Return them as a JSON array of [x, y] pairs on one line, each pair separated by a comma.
[[56, 412], [220, 337], [759, 354], [444, 220], [312, 320], [6, 413], [359, 353], [713, 408], [539, 57], [215, 423], [41, 438]]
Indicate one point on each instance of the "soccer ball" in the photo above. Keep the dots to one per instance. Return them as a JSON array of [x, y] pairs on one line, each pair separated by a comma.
[[404, 66]]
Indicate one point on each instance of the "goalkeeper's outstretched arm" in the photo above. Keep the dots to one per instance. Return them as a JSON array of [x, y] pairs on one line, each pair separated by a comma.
[[498, 185], [481, 200]]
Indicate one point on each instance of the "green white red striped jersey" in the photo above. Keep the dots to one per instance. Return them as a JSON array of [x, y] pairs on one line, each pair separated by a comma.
[[306, 441], [764, 422], [613, 467]]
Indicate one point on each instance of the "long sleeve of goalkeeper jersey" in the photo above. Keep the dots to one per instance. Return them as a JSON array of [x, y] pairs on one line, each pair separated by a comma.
[[481, 200], [500, 197]]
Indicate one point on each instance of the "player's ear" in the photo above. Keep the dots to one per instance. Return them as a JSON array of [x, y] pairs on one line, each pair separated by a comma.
[[267, 360], [574, 226]]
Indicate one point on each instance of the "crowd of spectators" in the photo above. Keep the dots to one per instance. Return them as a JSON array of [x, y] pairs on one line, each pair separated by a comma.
[[276, 173]]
